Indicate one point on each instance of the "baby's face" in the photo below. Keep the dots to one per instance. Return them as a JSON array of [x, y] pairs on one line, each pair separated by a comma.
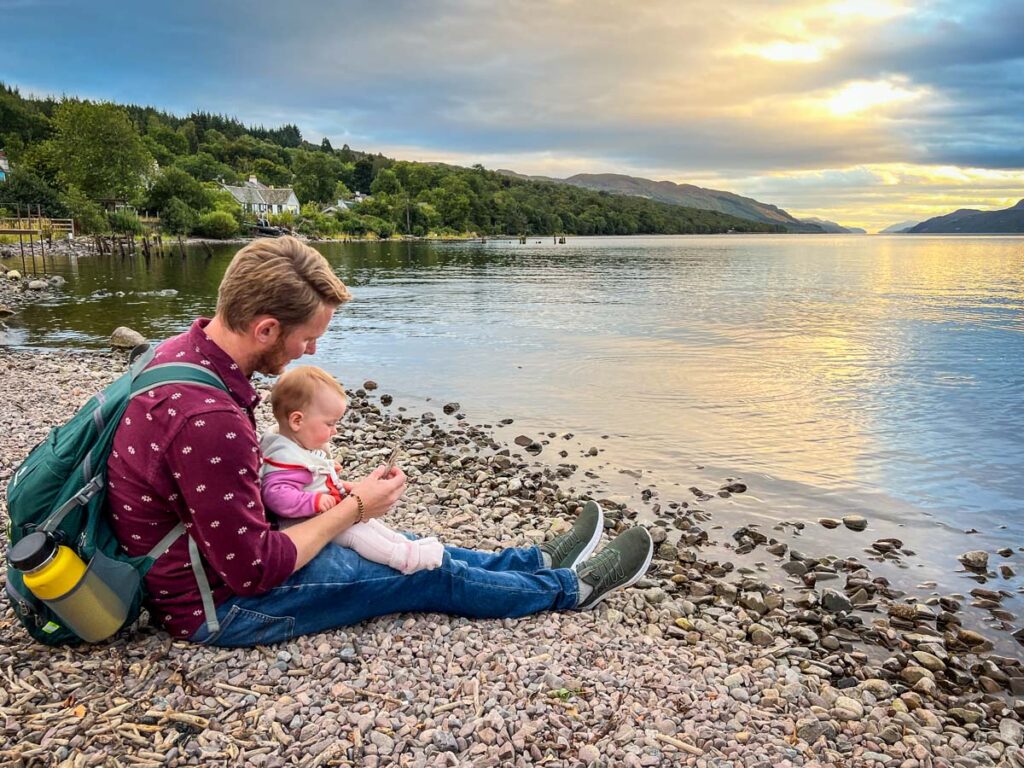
[[319, 421]]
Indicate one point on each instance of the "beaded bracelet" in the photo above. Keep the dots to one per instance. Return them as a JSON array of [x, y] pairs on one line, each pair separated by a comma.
[[359, 506]]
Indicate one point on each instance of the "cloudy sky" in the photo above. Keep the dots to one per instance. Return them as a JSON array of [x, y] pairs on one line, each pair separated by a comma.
[[867, 112]]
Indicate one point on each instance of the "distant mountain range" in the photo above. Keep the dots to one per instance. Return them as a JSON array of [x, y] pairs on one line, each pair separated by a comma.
[[900, 226], [693, 196], [833, 228], [970, 221]]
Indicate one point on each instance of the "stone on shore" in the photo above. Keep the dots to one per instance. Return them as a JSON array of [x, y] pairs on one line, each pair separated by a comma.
[[126, 338], [855, 522]]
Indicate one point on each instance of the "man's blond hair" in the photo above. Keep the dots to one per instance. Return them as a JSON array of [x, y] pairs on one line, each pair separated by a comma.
[[296, 388], [280, 277]]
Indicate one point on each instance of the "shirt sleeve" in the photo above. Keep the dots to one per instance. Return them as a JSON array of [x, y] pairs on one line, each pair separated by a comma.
[[283, 493], [215, 460]]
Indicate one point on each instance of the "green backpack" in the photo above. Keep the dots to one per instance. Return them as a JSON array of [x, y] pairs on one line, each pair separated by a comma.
[[61, 488]]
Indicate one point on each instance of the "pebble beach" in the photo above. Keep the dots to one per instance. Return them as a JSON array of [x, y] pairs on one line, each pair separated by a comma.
[[804, 663]]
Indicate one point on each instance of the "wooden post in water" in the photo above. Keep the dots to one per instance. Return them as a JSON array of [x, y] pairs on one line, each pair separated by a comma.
[[42, 247], [181, 247]]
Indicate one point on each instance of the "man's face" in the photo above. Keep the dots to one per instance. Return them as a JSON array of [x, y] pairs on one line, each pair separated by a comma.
[[292, 345]]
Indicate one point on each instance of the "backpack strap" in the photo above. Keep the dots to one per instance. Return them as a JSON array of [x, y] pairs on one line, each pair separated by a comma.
[[175, 373], [209, 608], [181, 373], [142, 381]]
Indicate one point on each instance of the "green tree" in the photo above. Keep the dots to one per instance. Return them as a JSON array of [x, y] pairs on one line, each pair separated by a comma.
[[28, 190], [20, 118], [341, 192], [386, 183], [362, 175], [125, 222], [325, 145], [98, 150], [89, 216], [218, 225], [205, 167], [269, 172], [177, 218], [453, 202], [316, 176], [175, 183], [191, 136]]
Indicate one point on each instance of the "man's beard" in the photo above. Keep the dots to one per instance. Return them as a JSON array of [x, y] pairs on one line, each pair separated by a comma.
[[272, 362]]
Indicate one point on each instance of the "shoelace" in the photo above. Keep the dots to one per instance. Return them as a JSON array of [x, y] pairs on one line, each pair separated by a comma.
[[607, 563], [565, 545]]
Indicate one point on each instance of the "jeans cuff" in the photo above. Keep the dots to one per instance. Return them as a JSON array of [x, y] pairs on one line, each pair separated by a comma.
[[540, 557], [570, 588]]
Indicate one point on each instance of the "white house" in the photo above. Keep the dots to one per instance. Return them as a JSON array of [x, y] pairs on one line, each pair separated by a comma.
[[263, 200], [345, 205]]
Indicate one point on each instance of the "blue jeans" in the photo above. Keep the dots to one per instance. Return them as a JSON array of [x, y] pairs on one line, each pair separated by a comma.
[[338, 587]]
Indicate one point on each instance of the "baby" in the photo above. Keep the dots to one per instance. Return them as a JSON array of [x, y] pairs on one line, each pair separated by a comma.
[[300, 480]]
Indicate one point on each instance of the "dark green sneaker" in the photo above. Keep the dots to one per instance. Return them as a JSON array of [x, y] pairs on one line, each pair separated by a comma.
[[619, 565], [576, 545]]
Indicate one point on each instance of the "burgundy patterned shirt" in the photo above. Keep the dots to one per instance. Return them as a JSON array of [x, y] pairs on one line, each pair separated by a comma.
[[189, 453]]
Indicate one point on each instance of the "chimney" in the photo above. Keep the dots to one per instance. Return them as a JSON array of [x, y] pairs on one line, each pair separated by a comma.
[[252, 179]]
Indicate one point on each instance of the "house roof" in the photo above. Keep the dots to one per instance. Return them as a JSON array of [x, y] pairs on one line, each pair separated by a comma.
[[279, 196], [258, 194]]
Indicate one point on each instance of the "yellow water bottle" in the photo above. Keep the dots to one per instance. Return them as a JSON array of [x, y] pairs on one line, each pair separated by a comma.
[[59, 577]]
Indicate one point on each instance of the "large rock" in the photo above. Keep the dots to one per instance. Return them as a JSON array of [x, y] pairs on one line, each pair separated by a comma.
[[38, 285], [14, 275], [855, 522], [810, 729], [848, 709], [976, 560], [835, 602], [125, 338]]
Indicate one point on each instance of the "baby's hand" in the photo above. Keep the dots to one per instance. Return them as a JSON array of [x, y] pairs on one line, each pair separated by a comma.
[[326, 502], [337, 467]]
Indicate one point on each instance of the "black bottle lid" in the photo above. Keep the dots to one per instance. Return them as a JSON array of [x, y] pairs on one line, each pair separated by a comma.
[[32, 551]]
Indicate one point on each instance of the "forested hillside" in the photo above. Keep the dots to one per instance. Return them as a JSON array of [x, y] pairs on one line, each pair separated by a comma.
[[78, 158]]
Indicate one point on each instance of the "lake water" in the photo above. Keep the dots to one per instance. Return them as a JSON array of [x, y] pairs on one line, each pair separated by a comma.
[[876, 374]]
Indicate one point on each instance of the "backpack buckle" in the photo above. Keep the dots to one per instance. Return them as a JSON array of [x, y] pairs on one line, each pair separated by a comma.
[[89, 490]]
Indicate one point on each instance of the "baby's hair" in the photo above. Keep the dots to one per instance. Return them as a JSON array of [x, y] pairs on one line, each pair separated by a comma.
[[296, 388]]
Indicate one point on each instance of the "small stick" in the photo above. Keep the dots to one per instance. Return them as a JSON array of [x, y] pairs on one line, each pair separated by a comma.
[[689, 748], [373, 695], [449, 707], [236, 689]]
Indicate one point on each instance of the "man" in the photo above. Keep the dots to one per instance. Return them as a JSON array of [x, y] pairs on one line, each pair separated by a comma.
[[189, 454]]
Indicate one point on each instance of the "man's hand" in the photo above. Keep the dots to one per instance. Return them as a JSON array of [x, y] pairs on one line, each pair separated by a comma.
[[378, 496], [378, 493]]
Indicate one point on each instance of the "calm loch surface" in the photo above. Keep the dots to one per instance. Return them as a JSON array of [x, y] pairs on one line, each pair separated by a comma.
[[872, 374]]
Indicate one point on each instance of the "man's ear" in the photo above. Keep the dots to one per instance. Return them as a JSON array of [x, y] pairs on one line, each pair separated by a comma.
[[295, 420], [266, 330]]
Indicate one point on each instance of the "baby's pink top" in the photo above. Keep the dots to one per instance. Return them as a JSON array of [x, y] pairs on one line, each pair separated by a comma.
[[283, 493]]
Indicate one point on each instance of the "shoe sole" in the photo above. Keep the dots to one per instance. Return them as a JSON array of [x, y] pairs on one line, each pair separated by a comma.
[[639, 575], [591, 545]]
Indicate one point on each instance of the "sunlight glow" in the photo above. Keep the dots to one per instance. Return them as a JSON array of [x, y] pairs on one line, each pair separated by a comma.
[[785, 51], [872, 9], [862, 95]]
